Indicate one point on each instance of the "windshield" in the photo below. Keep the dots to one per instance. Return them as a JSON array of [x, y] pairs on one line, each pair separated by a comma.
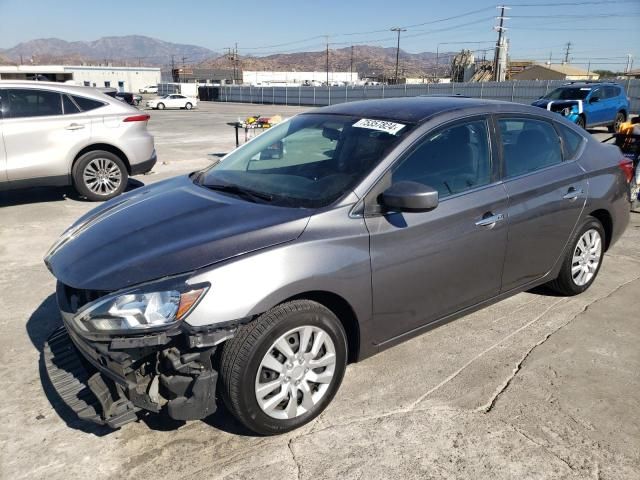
[[570, 93], [309, 161]]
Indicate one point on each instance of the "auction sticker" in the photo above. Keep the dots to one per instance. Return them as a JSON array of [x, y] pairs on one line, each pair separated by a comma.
[[381, 125]]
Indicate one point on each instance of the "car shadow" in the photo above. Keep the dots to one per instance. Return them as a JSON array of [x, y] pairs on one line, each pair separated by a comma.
[[544, 291], [43, 322], [25, 196]]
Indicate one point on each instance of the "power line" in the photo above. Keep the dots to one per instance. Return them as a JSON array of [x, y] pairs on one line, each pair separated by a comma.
[[566, 4]]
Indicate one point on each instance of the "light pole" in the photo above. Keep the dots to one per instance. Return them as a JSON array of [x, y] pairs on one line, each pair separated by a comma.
[[397, 29]]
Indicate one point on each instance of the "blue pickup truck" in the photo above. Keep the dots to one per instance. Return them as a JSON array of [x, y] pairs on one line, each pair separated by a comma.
[[589, 104]]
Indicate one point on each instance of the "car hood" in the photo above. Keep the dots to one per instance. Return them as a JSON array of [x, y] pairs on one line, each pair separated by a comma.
[[558, 105], [166, 229]]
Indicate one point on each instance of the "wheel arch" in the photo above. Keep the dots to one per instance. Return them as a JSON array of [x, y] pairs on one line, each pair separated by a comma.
[[107, 148], [345, 313], [604, 217]]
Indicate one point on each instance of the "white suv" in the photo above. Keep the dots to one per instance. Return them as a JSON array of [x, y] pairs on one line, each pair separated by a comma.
[[58, 134]]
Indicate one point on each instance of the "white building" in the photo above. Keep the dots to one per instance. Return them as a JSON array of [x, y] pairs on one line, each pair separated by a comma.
[[294, 79], [125, 79]]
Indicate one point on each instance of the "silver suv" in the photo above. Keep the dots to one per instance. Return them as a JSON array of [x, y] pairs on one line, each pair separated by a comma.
[[57, 134]]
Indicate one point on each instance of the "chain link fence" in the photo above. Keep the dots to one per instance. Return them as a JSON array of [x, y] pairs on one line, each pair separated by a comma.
[[524, 91]]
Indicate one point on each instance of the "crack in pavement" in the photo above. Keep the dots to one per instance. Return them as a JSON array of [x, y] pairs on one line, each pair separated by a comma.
[[293, 455], [487, 407], [544, 447], [484, 352], [413, 406]]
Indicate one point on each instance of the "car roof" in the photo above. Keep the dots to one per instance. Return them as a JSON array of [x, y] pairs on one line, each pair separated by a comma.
[[419, 109], [63, 87]]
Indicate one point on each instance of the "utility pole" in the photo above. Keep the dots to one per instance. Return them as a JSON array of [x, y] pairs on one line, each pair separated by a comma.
[[498, 55], [627, 70], [398, 30], [183, 65], [566, 52], [173, 68], [235, 63], [350, 66], [327, 58]]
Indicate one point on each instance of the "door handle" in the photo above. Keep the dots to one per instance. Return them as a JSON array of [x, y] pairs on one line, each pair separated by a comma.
[[572, 194], [489, 219], [74, 126]]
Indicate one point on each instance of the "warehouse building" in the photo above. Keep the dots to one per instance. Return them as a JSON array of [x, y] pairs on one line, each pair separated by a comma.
[[125, 79], [275, 79], [554, 72]]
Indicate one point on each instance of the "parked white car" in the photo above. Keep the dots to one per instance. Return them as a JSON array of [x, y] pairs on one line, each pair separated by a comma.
[[57, 134], [174, 100], [149, 89]]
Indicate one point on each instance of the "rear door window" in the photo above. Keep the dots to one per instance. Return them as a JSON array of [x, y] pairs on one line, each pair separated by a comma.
[[528, 145], [33, 103], [87, 104], [572, 141]]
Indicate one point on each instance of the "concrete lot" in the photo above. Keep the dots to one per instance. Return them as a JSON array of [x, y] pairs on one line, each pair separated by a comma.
[[536, 386]]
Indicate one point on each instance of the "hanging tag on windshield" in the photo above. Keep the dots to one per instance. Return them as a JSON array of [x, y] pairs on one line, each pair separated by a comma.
[[380, 125]]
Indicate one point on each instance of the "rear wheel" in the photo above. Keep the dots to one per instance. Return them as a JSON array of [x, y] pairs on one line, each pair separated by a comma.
[[615, 127], [582, 260], [188, 106], [160, 106], [99, 175], [580, 121], [282, 370]]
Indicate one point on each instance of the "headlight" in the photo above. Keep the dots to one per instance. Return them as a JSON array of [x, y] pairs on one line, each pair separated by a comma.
[[137, 310]]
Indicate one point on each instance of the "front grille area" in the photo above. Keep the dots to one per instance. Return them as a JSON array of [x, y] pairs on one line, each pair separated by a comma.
[[76, 298]]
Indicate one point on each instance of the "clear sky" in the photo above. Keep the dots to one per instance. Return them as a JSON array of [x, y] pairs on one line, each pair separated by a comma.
[[602, 31]]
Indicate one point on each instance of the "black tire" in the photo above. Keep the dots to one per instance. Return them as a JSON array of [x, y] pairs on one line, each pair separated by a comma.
[[615, 126], [241, 358], [83, 164], [160, 106], [564, 284], [188, 106], [580, 121]]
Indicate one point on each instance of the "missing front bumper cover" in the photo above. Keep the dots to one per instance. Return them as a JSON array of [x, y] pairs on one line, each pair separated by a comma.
[[83, 380]]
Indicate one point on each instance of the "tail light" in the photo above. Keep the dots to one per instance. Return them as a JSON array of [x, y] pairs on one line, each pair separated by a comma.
[[626, 165], [138, 118]]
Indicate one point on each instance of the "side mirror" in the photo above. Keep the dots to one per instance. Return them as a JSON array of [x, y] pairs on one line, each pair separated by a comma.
[[594, 100], [409, 197]]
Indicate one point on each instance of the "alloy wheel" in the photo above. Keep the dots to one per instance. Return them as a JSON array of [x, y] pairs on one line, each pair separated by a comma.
[[295, 373], [586, 257], [102, 176]]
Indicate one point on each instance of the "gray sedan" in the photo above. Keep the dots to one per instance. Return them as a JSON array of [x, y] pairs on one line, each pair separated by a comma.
[[325, 240]]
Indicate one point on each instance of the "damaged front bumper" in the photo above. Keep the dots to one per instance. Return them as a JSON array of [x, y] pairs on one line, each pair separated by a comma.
[[109, 380]]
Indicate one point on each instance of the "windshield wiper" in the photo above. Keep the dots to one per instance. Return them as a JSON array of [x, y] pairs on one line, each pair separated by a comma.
[[240, 191]]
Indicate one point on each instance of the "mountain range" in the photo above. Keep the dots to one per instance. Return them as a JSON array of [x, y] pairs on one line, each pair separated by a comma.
[[140, 50], [129, 50]]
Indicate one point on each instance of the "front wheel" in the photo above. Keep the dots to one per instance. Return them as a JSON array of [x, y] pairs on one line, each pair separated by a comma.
[[581, 122], [282, 370], [582, 260], [160, 106]]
